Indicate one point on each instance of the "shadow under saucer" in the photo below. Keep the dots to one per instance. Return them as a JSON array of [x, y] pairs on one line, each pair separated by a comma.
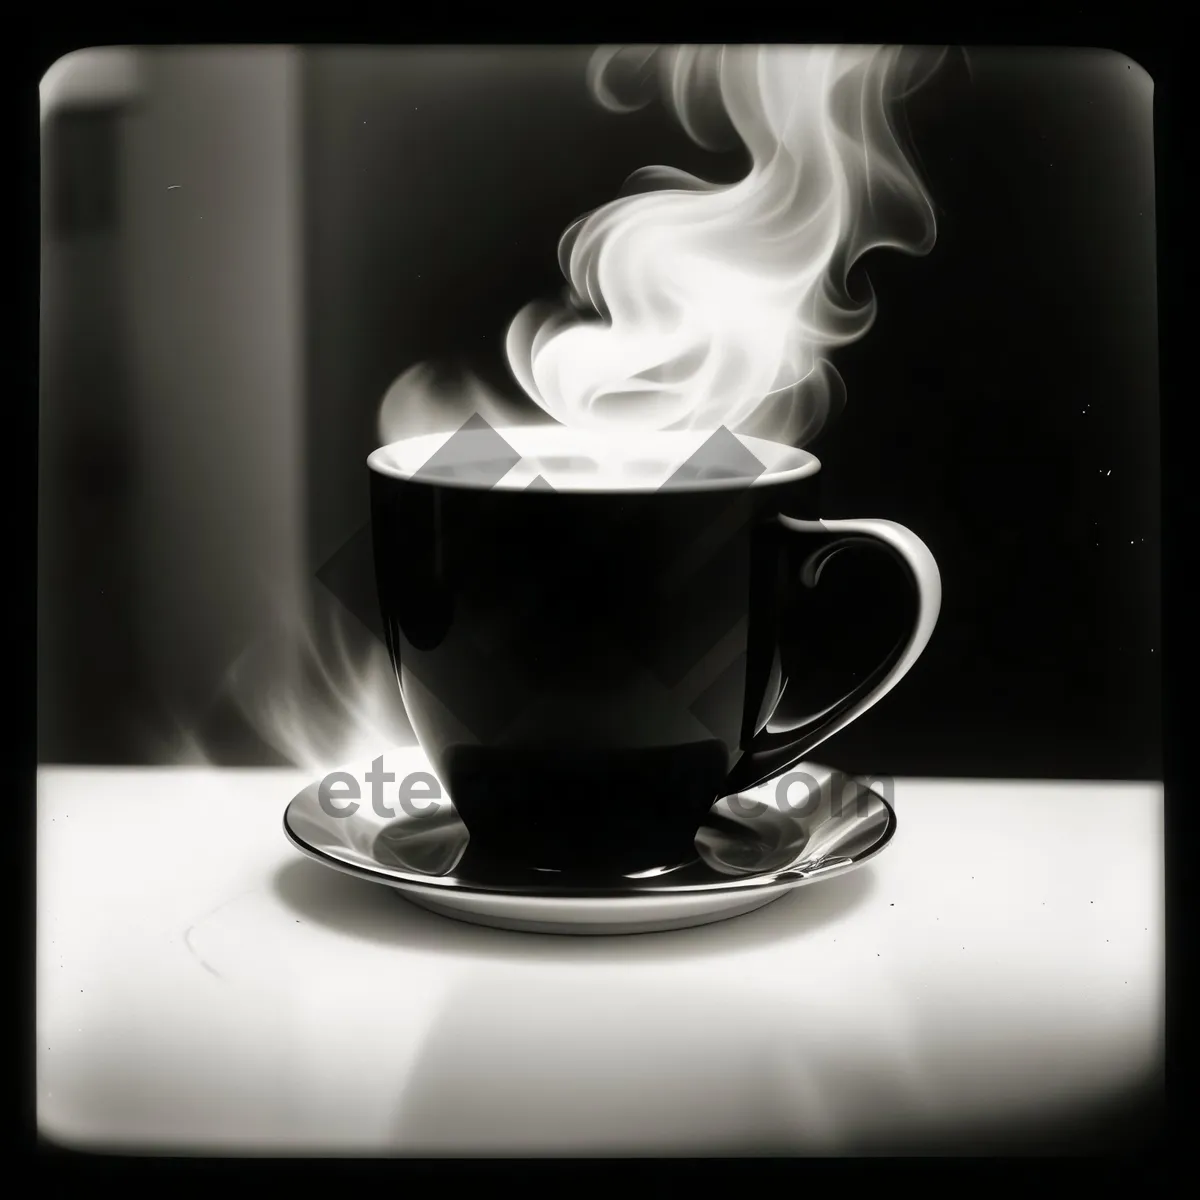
[[362, 912]]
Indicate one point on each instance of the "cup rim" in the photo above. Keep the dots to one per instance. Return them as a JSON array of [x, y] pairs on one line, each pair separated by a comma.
[[404, 458]]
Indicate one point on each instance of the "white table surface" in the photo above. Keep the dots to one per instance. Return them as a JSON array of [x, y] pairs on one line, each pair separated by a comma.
[[203, 987]]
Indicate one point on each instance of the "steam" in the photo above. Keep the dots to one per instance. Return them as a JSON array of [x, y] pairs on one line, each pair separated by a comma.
[[317, 690], [425, 400], [694, 304]]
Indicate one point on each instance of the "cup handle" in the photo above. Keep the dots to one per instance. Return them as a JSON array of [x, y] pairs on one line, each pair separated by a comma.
[[773, 751]]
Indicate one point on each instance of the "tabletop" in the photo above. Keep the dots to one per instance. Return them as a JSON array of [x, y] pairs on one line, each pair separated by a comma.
[[205, 988]]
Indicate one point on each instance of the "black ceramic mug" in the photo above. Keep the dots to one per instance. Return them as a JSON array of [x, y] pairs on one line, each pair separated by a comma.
[[592, 633]]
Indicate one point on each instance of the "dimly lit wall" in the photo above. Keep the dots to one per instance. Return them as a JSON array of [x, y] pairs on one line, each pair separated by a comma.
[[172, 391], [243, 248], [91, 680]]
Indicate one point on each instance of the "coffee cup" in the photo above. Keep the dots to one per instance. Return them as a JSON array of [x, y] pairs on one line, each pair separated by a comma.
[[592, 631]]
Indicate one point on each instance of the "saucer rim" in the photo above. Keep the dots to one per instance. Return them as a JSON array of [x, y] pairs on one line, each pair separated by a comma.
[[435, 886]]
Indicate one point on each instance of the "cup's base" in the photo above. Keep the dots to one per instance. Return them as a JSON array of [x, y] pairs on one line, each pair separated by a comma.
[[597, 850], [605, 814]]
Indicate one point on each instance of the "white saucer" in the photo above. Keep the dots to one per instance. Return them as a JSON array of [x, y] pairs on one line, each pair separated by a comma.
[[752, 850]]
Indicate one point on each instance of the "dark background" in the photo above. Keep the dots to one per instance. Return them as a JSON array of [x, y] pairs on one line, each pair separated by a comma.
[[1004, 406]]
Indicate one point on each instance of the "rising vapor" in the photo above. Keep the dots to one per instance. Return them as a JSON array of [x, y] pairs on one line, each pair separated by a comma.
[[696, 305]]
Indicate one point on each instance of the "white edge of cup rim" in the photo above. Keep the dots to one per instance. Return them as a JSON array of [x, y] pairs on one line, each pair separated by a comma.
[[378, 461]]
